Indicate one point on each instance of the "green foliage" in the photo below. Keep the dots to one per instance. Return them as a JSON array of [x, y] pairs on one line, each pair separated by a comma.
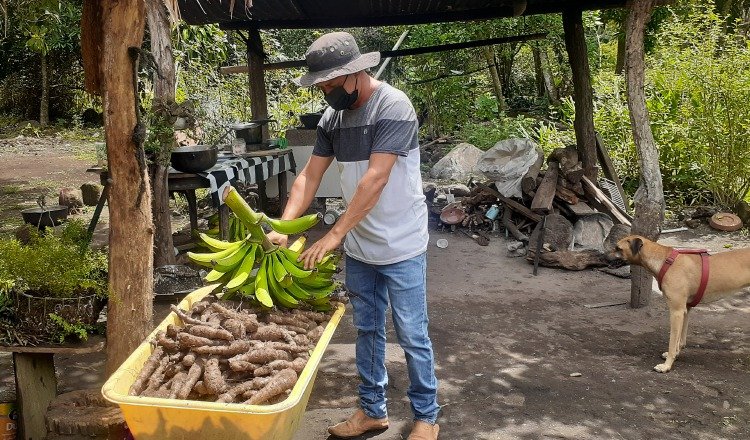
[[52, 265], [66, 329]]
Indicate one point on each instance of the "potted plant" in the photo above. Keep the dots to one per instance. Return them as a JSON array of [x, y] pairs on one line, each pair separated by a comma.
[[52, 287]]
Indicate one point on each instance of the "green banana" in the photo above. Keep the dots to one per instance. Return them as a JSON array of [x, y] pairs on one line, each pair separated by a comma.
[[298, 292], [208, 258], [243, 271], [289, 227], [289, 260], [280, 273], [214, 276], [315, 281], [280, 295], [261, 285], [235, 258], [215, 244]]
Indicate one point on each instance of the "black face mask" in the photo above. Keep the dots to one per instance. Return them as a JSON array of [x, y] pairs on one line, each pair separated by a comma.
[[340, 99]]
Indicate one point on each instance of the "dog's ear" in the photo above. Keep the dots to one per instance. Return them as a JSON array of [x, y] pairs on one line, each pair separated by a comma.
[[635, 246]]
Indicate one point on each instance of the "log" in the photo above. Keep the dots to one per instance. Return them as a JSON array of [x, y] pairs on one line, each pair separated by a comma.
[[571, 260], [545, 194], [512, 228]]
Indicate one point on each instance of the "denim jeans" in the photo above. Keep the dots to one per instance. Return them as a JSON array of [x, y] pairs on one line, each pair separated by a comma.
[[404, 285]]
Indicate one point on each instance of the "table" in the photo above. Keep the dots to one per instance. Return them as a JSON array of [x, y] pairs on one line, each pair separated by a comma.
[[251, 168], [36, 383]]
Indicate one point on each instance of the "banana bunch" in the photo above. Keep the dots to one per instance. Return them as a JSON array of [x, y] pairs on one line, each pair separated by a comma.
[[253, 267]]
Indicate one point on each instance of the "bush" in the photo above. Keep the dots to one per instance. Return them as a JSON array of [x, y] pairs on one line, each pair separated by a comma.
[[59, 266]]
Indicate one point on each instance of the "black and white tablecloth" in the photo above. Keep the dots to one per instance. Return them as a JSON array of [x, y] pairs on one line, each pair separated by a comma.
[[230, 169]]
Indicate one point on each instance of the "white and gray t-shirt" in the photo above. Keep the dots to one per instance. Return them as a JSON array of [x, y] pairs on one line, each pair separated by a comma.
[[396, 228]]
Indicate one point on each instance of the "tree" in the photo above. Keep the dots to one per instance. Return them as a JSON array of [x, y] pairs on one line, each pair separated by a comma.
[[47, 27], [649, 199]]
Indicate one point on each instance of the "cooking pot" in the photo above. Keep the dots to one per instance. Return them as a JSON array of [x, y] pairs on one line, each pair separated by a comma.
[[251, 132], [47, 216], [194, 159], [310, 120]]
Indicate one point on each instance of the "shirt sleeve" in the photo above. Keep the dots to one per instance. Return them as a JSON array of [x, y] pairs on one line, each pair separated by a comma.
[[396, 129], [323, 143]]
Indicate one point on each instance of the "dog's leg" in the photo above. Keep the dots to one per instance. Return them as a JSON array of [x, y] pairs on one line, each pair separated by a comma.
[[677, 315], [683, 336]]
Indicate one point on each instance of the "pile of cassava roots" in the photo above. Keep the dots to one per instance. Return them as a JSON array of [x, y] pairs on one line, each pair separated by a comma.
[[227, 354]]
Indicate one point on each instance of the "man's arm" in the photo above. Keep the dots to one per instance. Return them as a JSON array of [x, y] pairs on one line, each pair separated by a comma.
[[302, 192], [365, 197]]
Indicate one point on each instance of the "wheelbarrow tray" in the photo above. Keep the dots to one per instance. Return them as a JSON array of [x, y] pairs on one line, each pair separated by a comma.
[[150, 418]]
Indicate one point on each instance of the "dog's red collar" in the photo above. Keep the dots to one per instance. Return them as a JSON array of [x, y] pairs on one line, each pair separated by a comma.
[[704, 271]]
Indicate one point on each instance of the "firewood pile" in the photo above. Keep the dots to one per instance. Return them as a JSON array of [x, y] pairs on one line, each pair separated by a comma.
[[558, 202]]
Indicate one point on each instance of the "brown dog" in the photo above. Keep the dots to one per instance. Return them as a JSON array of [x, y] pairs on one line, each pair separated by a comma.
[[729, 272]]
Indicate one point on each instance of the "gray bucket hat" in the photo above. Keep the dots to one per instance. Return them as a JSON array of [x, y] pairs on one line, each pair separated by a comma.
[[333, 55]]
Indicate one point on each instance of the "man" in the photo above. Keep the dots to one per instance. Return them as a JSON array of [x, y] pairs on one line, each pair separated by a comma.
[[371, 129]]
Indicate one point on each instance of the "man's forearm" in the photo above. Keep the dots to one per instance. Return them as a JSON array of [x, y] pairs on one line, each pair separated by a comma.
[[301, 196]]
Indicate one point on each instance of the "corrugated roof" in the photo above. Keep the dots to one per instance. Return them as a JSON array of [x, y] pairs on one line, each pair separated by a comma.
[[289, 14]]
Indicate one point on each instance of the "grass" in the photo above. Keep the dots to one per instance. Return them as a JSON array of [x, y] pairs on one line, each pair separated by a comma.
[[10, 189]]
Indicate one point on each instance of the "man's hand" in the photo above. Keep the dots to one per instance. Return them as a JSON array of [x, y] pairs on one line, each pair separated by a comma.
[[317, 251], [278, 239]]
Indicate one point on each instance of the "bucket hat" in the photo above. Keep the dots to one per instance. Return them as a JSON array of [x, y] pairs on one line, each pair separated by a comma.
[[334, 54]]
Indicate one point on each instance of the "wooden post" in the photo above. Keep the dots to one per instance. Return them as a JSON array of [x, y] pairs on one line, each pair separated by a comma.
[[649, 199], [575, 42], [257, 82], [36, 386], [164, 91], [131, 234]]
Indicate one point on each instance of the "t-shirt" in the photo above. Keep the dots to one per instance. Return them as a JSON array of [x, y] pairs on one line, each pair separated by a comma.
[[396, 228]]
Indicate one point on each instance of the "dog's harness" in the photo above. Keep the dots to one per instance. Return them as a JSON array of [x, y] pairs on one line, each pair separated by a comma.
[[704, 271]]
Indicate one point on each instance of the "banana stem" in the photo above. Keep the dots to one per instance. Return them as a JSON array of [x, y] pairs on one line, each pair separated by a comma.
[[248, 216]]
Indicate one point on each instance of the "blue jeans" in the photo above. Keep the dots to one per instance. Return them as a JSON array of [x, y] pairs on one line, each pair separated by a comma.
[[404, 284]]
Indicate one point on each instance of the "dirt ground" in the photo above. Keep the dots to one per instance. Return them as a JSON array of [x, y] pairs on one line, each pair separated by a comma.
[[507, 344]]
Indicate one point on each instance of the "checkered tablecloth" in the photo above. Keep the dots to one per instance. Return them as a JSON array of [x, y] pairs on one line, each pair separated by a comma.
[[247, 170]]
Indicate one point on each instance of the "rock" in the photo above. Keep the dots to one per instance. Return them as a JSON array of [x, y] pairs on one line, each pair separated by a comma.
[[693, 223], [742, 209], [458, 190], [616, 233], [558, 233], [703, 212], [515, 245], [591, 230], [575, 375], [458, 164], [90, 192], [72, 198], [428, 189]]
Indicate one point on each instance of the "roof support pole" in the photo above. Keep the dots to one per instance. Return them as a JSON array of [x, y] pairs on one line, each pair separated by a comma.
[[256, 78], [649, 198], [575, 42]]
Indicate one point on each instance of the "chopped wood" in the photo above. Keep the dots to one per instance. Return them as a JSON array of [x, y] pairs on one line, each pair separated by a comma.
[[512, 204], [581, 208], [611, 209], [528, 182], [566, 195], [545, 193], [512, 229]]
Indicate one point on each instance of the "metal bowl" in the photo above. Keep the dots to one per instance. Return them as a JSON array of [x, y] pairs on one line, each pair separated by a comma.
[[49, 216], [194, 159]]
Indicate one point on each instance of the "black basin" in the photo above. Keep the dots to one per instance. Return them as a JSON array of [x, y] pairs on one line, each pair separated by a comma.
[[49, 216], [194, 159]]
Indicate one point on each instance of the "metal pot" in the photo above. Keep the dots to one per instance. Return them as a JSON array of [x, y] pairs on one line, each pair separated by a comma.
[[310, 120], [194, 159], [251, 132], [47, 216]]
